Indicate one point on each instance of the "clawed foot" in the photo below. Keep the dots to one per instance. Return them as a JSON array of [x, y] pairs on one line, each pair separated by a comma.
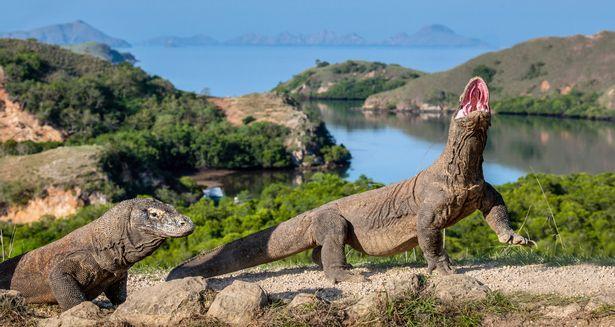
[[345, 276], [442, 265], [515, 239]]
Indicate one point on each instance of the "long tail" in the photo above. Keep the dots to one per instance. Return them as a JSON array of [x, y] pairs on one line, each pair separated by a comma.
[[268, 245]]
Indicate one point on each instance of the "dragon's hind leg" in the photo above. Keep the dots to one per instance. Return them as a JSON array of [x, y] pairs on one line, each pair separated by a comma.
[[331, 231], [318, 260]]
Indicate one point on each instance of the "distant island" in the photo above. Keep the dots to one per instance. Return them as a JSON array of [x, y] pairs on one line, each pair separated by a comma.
[[76, 32], [434, 36], [429, 36], [179, 41]]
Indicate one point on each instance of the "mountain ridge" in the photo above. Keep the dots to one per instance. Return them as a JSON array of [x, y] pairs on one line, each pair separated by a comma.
[[435, 35], [68, 34]]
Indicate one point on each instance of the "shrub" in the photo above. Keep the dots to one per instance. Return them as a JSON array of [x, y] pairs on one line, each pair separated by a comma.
[[485, 72]]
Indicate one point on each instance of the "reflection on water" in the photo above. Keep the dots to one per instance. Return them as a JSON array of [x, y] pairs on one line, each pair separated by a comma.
[[389, 147]]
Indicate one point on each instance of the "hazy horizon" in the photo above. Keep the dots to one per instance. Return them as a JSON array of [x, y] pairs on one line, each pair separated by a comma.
[[500, 25]]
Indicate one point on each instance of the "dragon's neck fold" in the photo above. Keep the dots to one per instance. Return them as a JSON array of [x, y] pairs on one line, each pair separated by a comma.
[[462, 158]]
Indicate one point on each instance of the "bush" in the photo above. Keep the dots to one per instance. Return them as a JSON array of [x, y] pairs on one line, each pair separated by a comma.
[[14, 148], [359, 89], [485, 72], [248, 119], [336, 154], [535, 70]]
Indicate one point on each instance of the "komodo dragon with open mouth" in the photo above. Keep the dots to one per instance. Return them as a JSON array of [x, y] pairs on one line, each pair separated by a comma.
[[388, 220], [96, 257]]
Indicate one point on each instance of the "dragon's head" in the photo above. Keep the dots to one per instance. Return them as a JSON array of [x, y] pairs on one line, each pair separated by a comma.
[[474, 114], [160, 219]]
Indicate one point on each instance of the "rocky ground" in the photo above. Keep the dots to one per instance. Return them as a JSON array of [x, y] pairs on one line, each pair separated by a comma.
[[481, 294], [583, 280]]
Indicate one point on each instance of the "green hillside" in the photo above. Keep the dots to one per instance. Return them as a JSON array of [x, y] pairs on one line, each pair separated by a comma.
[[350, 80], [570, 76], [150, 131]]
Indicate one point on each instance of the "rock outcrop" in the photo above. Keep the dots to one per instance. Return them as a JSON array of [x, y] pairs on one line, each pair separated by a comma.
[[57, 202]]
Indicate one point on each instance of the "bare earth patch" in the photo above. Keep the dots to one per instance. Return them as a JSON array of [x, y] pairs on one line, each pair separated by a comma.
[[19, 125]]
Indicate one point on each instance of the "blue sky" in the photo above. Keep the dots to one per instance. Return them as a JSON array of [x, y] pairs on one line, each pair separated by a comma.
[[499, 22]]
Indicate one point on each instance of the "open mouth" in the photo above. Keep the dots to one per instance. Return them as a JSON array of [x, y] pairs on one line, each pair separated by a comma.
[[475, 97]]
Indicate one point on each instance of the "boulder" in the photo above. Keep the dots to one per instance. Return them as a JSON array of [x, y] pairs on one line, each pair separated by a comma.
[[239, 303], [85, 314], [390, 291], [459, 287], [165, 304]]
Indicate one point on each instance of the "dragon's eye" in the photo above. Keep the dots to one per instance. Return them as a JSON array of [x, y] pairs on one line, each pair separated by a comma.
[[154, 214]]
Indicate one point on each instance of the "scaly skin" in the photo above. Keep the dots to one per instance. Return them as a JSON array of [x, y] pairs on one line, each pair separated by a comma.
[[96, 257], [387, 220]]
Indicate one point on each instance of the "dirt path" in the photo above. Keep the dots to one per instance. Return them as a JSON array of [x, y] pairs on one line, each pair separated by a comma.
[[572, 280]]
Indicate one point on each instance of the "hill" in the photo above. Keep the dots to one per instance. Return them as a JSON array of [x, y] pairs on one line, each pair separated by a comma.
[[102, 51], [433, 36], [68, 33], [347, 80], [570, 76]]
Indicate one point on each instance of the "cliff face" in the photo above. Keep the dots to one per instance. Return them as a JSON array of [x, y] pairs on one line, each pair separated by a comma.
[[19, 125], [56, 202], [55, 182]]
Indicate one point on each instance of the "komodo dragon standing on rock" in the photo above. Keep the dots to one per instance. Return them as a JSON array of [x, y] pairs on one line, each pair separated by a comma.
[[96, 257], [388, 220]]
